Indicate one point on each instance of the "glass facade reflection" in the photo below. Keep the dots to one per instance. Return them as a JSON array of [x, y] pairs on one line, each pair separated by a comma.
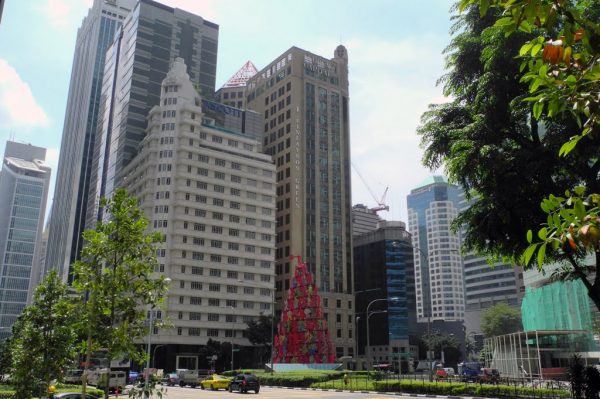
[[23, 190]]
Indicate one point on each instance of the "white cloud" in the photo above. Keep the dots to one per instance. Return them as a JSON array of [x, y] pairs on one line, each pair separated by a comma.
[[65, 13], [391, 85], [18, 107]]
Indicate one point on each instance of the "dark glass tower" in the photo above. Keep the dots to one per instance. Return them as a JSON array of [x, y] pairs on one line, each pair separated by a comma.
[[151, 37], [81, 120]]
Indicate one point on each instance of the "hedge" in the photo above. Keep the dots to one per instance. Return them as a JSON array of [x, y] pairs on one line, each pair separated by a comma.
[[449, 388]]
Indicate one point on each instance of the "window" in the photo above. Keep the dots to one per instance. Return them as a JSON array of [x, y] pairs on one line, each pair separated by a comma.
[[193, 331], [214, 287], [231, 302], [213, 317], [215, 273], [195, 316], [214, 302], [196, 285], [232, 289], [194, 300], [219, 162], [232, 274], [197, 270], [211, 332]]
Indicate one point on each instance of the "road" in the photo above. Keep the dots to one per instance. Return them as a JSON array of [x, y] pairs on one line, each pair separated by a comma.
[[277, 393]]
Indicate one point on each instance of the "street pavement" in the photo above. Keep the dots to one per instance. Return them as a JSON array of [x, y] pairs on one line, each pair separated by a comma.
[[283, 393]]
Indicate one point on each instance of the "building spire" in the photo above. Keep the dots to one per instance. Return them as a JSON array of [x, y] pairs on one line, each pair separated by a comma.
[[241, 77]]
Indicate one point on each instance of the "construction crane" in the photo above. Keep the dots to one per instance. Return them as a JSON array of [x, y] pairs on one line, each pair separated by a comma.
[[381, 206]]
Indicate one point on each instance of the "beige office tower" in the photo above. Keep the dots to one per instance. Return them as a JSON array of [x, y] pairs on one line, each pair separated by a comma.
[[211, 191], [304, 99]]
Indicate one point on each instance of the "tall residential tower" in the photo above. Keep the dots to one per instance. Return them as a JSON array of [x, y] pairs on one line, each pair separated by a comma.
[[304, 100], [24, 181], [81, 117]]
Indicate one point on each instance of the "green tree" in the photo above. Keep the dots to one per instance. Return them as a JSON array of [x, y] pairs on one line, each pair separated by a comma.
[[440, 341], [500, 319], [115, 274], [508, 153], [43, 344], [5, 358], [260, 333]]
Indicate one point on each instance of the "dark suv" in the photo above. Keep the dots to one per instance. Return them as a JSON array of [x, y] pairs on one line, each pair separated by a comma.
[[244, 383]]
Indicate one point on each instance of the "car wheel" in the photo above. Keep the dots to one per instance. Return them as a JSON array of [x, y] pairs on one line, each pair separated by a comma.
[[256, 390], [181, 384], [212, 387], [230, 389]]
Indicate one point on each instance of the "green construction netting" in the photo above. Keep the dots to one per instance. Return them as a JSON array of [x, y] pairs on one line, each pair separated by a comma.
[[562, 305]]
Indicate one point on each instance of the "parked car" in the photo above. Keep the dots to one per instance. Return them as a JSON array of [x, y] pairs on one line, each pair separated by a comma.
[[441, 373], [215, 382], [170, 379], [450, 371], [244, 383], [489, 375], [73, 376], [134, 377], [74, 395]]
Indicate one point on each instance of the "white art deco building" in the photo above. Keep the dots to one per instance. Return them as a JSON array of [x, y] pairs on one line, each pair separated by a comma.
[[211, 191]]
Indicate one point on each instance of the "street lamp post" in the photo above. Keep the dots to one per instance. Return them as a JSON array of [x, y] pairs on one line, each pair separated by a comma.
[[154, 354], [272, 326], [368, 333], [356, 320], [426, 260], [150, 327], [233, 311]]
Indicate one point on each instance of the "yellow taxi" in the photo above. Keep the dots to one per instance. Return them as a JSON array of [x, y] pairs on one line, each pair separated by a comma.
[[215, 382]]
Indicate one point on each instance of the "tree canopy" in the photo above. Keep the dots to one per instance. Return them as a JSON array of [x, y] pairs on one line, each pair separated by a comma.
[[116, 275], [489, 143], [43, 342], [500, 319]]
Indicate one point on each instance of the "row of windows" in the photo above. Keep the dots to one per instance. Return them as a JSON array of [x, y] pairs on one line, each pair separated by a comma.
[[264, 264], [215, 302]]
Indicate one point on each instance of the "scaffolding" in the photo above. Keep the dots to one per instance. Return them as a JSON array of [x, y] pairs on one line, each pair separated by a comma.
[[561, 305], [535, 355]]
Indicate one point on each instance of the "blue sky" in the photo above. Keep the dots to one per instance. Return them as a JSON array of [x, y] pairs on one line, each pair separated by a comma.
[[395, 57]]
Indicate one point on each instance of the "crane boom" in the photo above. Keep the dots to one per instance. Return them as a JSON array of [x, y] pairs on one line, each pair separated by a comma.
[[381, 206]]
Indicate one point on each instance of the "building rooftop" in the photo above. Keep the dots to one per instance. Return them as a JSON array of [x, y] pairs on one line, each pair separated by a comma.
[[432, 180], [241, 77], [35, 165]]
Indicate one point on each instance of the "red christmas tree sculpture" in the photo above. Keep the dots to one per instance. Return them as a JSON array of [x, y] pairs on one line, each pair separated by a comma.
[[302, 334]]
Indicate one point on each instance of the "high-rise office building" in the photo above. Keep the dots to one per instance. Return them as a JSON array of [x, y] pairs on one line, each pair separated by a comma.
[[364, 220], [81, 116], [233, 92], [24, 181], [304, 99], [383, 268], [439, 277], [151, 37], [211, 192]]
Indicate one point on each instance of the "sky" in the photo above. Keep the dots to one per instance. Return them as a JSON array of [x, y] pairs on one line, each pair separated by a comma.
[[395, 58]]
